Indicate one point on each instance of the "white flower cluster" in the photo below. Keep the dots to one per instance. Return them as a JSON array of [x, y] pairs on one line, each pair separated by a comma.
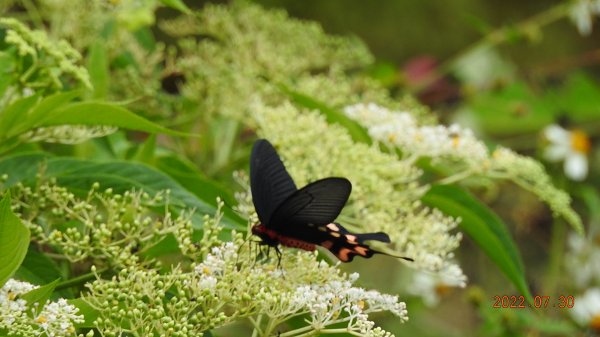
[[326, 302], [11, 307], [299, 286], [457, 145], [584, 266], [17, 317], [582, 13], [584, 259], [68, 134], [587, 309], [401, 129], [214, 265]]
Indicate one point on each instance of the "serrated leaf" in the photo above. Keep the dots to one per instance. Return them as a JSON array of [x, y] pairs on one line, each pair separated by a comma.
[[40, 295], [14, 240], [333, 116], [484, 227]]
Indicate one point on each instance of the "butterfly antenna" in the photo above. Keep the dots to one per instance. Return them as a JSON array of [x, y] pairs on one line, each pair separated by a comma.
[[232, 208]]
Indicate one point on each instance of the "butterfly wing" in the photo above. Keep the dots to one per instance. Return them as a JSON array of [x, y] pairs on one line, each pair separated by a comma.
[[346, 245], [270, 183], [317, 203]]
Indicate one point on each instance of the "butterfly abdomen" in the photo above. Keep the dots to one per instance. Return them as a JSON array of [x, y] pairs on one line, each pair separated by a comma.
[[272, 238], [294, 243]]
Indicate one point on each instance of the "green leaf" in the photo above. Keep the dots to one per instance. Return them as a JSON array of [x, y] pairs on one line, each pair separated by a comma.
[[40, 295], [48, 104], [177, 4], [514, 109], [333, 116], [579, 98], [101, 113], [80, 175], [14, 240], [37, 268], [89, 313], [7, 68], [145, 153], [97, 66], [203, 187], [485, 228], [12, 116]]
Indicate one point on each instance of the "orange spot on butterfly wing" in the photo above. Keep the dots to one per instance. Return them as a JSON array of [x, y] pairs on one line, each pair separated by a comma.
[[345, 254], [333, 227], [361, 250], [351, 238], [327, 244]]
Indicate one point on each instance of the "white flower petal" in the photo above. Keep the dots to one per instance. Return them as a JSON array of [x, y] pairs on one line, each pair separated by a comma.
[[586, 306], [557, 135], [576, 166], [556, 152]]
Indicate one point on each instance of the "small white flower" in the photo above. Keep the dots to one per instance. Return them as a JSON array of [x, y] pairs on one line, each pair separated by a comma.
[[432, 286], [587, 308], [572, 146], [207, 282], [584, 258], [401, 129], [582, 13]]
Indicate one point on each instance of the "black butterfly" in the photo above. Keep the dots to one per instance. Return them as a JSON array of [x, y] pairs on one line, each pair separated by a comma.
[[302, 218]]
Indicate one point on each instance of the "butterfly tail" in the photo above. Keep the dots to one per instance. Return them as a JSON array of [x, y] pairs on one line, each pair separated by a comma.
[[379, 236], [350, 245]]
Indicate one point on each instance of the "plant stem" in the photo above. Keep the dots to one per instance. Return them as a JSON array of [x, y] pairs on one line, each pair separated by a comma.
[[256, 324], [557, 247], [79, 279]]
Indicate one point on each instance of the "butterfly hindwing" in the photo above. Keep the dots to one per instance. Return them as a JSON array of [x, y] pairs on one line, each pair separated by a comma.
[[344, 244], [318, 203], [270, 183]]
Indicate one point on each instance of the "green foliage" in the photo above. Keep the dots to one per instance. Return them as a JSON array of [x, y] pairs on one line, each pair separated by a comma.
[[37, 297], [144, 229], [485, 228], [14, 240]]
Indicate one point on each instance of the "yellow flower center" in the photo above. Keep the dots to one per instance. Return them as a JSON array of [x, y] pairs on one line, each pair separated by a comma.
[[442, 289], [11, 296], [455, 141], [41, 319], [595, 322], [580, 142]]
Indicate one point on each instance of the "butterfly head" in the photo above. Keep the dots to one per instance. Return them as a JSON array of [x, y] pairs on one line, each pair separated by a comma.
[[267, 236], [259, 229]]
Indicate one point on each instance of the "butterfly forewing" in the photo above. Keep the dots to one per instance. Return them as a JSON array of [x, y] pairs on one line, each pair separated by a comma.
[[317, 203], [270, 183]]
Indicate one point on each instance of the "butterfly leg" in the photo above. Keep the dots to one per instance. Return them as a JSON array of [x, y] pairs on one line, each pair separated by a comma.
[[279, 255]]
